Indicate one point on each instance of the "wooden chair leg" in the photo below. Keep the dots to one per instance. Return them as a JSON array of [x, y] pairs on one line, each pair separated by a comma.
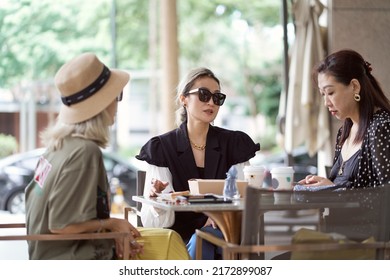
[[198, 248]]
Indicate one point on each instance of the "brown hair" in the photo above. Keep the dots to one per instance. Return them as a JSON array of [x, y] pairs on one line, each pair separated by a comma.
[[185, 86]]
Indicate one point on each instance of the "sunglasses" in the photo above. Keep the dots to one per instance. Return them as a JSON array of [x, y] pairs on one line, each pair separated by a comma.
[[205, 95], [119, 97]]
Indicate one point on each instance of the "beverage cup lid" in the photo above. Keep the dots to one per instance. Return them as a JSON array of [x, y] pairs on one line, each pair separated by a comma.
[[282, 169], [254, 168]]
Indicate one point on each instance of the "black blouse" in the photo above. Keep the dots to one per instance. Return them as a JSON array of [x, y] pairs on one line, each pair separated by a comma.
[[224, 148], [343, 172]]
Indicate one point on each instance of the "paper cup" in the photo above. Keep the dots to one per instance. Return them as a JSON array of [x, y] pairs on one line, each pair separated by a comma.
[[282, 178], [254, 175]]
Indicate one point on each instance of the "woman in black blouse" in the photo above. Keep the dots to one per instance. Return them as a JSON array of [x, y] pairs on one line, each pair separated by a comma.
[[362, 153], [196, 149]]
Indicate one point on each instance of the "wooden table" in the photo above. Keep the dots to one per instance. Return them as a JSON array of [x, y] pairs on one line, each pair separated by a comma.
[[226, 215]]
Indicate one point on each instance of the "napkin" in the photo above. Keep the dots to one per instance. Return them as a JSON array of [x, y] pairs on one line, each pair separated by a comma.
[[315, 188]]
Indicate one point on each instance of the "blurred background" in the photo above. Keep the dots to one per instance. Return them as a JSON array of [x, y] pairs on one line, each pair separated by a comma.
[[258, 49]]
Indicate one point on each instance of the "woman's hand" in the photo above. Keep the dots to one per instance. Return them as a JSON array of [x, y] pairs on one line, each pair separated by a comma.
[[157, 187], [121, 225], [210, 222], [314, 180]]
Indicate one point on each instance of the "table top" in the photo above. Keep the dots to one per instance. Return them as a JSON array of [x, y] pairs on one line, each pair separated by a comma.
[[269, 201], [237, 205]]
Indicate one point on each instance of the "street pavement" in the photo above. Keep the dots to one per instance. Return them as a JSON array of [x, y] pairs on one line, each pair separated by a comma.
[[12, 250]]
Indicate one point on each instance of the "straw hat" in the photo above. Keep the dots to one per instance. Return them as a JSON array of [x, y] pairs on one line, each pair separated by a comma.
[[87, 87]]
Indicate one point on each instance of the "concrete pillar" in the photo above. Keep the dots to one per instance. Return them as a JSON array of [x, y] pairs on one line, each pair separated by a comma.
[[363, 26]]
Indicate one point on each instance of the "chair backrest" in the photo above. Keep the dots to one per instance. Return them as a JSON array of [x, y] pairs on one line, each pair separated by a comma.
[[252, 221], [374, 221], [384, 223], [370, 219], [140, 191], [123, 236]]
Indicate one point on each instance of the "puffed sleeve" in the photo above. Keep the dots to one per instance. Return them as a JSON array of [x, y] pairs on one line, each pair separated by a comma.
[[152, 153], [242, 147], [380, 152], [154, 217]]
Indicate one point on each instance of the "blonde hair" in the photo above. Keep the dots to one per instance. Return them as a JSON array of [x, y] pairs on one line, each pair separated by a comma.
[[185, 86], [95, 129]]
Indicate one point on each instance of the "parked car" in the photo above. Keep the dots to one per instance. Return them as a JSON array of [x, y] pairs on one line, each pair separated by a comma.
[[303, 164], [17, 170]]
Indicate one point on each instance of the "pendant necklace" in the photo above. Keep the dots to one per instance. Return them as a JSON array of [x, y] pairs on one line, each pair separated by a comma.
[[341, 170]]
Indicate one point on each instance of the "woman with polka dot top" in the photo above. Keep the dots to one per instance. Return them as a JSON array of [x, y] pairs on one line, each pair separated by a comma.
[[362, 153], [352, 94]]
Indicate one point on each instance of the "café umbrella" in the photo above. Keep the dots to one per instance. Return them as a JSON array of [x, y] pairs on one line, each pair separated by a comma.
[[306, 118]]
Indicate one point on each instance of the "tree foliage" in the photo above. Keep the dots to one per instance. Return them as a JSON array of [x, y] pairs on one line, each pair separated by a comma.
[[229, 36]]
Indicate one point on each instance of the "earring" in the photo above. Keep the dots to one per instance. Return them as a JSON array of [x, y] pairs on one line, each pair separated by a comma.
[[356, 96]]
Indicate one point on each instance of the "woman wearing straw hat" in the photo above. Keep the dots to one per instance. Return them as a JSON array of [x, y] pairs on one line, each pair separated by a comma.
[[70, 190]]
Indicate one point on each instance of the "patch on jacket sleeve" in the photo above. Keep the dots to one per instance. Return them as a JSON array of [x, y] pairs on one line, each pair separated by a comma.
[[41, 171]]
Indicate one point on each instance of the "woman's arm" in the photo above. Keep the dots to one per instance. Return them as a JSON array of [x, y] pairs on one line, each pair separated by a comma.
[[240, 169], [110, 224], [380, 153], [150, 216]]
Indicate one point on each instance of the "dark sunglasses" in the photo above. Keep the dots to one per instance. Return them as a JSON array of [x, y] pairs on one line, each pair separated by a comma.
[[119, 97], [205, 95]]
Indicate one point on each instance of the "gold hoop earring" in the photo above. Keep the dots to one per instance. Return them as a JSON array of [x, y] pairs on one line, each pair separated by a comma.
[[356, 96]]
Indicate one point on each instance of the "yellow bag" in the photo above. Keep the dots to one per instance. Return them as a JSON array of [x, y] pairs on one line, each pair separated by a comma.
[[308, 236], [161, 244]]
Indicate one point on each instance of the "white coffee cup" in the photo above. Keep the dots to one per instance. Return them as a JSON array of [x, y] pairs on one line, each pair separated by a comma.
[[282, 178], [254, 175]]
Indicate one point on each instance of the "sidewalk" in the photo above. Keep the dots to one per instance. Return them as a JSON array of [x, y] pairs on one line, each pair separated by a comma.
[[12, 250]]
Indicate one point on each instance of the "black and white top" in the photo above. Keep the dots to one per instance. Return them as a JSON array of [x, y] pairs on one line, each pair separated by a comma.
[[370, 166]]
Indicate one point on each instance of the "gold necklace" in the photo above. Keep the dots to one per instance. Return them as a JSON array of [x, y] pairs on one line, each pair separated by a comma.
[[198, 147]]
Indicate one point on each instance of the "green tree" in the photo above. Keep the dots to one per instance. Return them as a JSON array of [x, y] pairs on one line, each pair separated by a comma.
[[229, 36], [37, 36]]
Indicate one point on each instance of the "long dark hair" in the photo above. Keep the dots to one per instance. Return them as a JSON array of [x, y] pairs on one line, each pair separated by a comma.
[[344, 66]]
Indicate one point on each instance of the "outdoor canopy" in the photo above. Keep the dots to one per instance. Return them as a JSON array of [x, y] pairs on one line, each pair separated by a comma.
[[306, 118]]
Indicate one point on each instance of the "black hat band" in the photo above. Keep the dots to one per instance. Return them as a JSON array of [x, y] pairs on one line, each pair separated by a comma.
[[88, 91]]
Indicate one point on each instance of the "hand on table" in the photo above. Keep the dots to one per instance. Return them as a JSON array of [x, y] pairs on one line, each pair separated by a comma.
[[157, 187], [314, 180]]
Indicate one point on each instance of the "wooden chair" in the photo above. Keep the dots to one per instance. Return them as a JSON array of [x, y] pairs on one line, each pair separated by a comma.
[[79, 236], [252, 235], [139, 191]]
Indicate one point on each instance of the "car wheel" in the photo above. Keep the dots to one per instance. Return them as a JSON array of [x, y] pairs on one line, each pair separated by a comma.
[[16, 203]]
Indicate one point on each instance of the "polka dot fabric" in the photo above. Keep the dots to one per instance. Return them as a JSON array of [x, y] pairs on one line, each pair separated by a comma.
[[374, 160], [372, 173]]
